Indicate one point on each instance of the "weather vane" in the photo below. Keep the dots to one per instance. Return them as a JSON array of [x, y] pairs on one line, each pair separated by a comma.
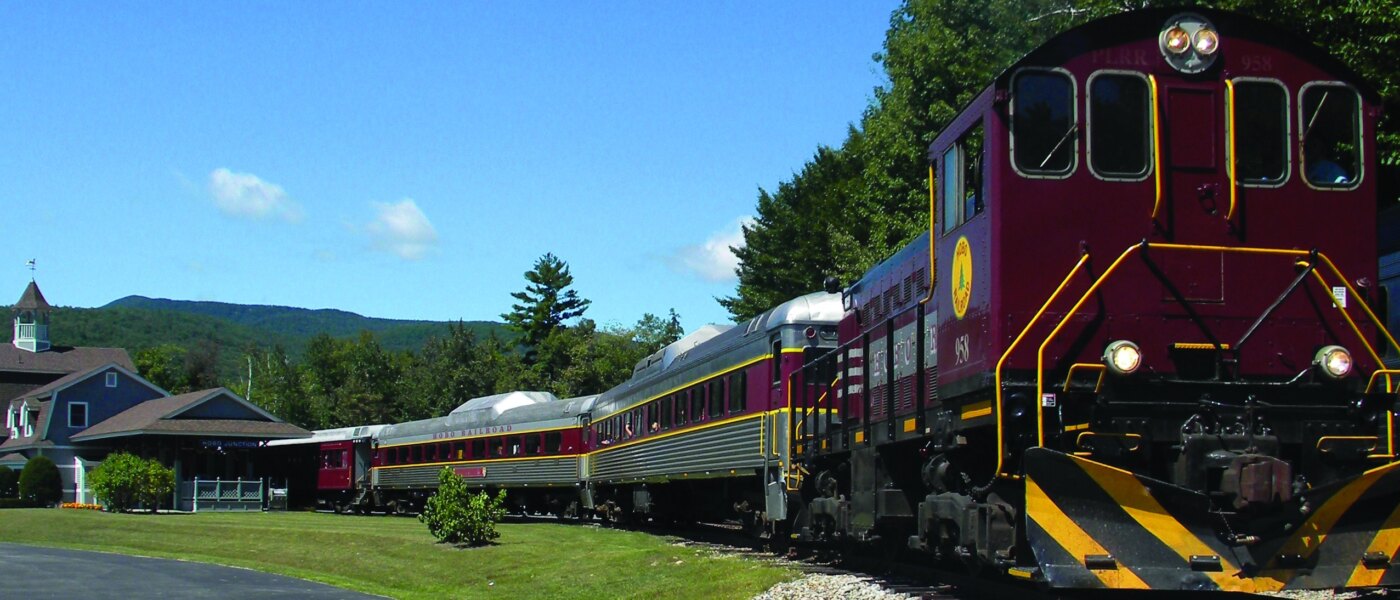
[[30, 264]]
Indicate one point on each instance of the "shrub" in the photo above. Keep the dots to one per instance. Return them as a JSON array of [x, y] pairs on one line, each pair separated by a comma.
[[159, 483], [40, 482], [457, 516], [9, 483], [123, 480]]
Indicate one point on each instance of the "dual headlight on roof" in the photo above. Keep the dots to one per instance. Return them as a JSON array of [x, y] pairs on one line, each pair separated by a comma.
[[1189, 43]]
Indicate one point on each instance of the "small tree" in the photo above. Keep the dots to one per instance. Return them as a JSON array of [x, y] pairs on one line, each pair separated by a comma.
[[9, 483], [158, 482], [123, 480], [457, 516], [117, 481], [39, 481]]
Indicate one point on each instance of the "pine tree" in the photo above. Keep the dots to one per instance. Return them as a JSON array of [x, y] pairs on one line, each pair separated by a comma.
[[545, 304]]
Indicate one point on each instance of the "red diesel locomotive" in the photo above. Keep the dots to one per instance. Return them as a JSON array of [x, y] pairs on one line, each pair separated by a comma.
[[1136, 347]]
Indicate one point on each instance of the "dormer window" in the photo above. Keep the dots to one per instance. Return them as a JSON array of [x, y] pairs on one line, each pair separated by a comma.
[[111, 380]]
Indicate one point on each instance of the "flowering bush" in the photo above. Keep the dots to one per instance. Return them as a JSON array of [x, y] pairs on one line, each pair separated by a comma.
[[81, 506]]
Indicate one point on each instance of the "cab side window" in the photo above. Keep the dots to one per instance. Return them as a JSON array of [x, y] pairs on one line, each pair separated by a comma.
[[964, 196], [1043, 123], [1331, 132], [1120, 126], [1261, 132]]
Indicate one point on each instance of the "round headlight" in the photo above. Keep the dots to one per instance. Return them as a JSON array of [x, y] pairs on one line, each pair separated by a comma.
[[1122, 356], [1334, 361], [1176, 40], [1207, 42]]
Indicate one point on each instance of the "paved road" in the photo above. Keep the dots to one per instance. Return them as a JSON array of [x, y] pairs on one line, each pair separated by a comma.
[[33, 573]]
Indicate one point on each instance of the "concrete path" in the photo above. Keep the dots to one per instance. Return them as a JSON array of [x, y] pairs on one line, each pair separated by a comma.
[[33, 573]]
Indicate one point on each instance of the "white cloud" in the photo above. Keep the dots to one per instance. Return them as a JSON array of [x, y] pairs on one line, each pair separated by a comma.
[[712, 259], [402, 229], [247, 195]]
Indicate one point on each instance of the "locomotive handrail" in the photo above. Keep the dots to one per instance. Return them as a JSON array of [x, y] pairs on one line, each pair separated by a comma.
[[1230, 145], [1156, 147], [1040, 358], [1387, 372], [1100, 367], [1001, 442]]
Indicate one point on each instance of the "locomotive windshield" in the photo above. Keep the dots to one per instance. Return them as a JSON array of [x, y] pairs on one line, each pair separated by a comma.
[[1043, 122], [1120, 125], [1261, 132], [1331, 125]]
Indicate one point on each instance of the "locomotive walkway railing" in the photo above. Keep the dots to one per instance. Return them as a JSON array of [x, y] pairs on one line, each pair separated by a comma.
[[1311, 259]]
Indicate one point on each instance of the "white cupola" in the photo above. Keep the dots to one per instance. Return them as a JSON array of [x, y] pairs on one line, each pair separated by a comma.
[[32, 320]]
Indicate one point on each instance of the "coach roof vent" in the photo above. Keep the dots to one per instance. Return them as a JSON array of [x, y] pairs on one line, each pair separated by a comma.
[[659, 360], [818, 307], [500, 403]]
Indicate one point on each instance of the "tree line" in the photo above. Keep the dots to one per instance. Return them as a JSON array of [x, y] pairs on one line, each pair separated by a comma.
[[349, 382], [847, 208]]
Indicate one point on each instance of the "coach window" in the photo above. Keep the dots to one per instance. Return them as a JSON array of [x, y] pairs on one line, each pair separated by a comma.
[[697, 404], [681, 411], [716, 398], [478, 448], [1261, 132], [1331, 131], [1120, 126], [552, 442], [738, 392], [415, 454], [668, 412], [459, 450], [1043, 123], [495, 446], [777, 360], [532, 444], [444, 451]]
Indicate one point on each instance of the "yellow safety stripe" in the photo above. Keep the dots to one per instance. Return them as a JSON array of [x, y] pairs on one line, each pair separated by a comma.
[[1075, 540], [1129, 494], [1387, 540]]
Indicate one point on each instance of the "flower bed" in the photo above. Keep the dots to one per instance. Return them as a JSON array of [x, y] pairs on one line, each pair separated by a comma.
[[81, 506]]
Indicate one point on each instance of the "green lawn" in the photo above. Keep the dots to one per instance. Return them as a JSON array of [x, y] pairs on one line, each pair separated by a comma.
[[395, 556]]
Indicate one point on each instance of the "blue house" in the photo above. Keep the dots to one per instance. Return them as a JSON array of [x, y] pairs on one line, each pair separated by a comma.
[[79, 417]]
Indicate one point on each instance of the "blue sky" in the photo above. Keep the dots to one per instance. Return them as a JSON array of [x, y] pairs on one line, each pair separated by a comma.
[[411, 160]]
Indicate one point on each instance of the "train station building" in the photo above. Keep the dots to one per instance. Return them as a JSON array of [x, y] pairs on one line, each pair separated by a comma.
[[76, 405]]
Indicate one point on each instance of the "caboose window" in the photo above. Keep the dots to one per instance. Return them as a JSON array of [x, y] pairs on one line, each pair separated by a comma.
[[1120, 126], [1261, 132], [1331, 132], [1043, 123]]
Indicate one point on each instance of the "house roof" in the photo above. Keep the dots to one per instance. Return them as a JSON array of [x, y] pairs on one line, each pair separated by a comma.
[[49, 388], [61, 359], [163, 416], [32, 299]]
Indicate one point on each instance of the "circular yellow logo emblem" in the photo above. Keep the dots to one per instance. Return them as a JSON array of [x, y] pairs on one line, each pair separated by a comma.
[[962, 277]]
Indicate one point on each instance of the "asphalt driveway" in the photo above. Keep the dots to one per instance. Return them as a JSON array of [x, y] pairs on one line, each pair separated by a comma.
[[32, 572]]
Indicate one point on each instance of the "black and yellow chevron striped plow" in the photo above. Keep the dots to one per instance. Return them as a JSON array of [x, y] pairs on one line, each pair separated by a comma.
[[1091, 525], [1350, 536]]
